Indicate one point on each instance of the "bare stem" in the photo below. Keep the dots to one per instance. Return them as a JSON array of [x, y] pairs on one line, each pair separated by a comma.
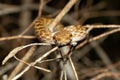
[[17, 49], [40, 7], [21, 64], [62, 13], [98, 37], [33, 63], [16, 37], [102, 26]]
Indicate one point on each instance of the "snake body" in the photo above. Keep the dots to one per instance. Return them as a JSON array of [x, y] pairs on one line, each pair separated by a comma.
[[61, 35], [42, 29]]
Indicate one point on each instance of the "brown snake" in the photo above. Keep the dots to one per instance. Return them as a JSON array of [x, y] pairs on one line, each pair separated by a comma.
[[42, 29], [61, 35]]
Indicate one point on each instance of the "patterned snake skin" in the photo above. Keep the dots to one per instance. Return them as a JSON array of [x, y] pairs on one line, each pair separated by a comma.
[[61, 35]]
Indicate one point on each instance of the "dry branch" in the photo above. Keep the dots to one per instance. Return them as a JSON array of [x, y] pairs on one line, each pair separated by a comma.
[[98, 37], [62, 13], [17, 49], [33, 63], [17, 37], [20, 65]]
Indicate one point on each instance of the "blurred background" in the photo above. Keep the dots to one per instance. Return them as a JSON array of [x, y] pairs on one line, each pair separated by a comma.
[[17, 15]]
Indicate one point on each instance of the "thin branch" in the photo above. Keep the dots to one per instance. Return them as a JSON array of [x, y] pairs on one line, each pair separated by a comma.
[[7, 67], [33, 63], [103, 70], [48, 60], [61, 76], [106, 74], [21, 73], [17, 49], [104, 34], [10, 9], [21, 64], [25, 15], [65, 75], [40, 7], [46, 54], [73, 67], [98, 37], [28, 28], [17, 37], [67, 18], [62, 13], [102, 26]]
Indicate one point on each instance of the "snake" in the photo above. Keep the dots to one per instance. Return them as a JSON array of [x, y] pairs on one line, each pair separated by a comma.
[[60, 35]]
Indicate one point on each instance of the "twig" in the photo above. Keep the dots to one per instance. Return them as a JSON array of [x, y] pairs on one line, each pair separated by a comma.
[[9, 10], [65, 76], [98, 37], [68, 67], [108, 74], [103, 70], [28, 28], [73, 67], [104, 57], [17, 49], [25, 15], [43, 69], [7, 67], [62, 13], [101, 53], [48, 60], [104, 34], [20, 74], [16, 37], [39, 14], [23, 62], [40, 7], [33, 63], [61, 76], [67, 18], [20, 65], [102, 26], [46, 54]]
